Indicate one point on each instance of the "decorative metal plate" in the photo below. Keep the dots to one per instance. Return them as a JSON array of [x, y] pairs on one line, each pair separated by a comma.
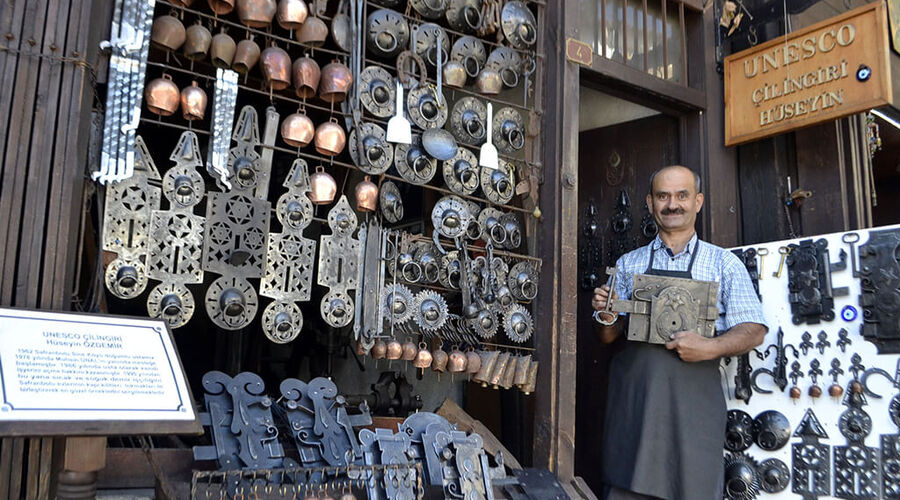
[[461, 172], [518, 324], [387, 33], [427, 42], [508, 63], [426, 108], [491, 227], [236, 230], [523, 281], [403, 303], [450, 270], [183, 187], [342, 219], [890, 465], [879, 270], [337, 308], [426, 255], [508, 130], [223, 104], [741, 477], [377, 92], [738, 430], [339, 261], [856, 472], [413, 163], [231, 302], [378, 154], [470, 52], [430, 9], [774, 475], [519, 25], [501, 271], [289, 267], [126, 279], [244, 165], [485, 324], [467, 121], [450, 217], [171, 302], [498, 184], [459, 8], [390, 202], [282, 322], [129, 203], [513, 229], [177, 246], [294, 211], [771, 430], [430, 310], [855, 424], [810, 459]]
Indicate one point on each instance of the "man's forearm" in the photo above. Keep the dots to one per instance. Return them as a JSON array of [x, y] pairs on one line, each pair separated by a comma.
[[740, 339]]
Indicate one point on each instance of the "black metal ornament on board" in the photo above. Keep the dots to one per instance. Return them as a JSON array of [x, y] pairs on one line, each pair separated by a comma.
[[741, 477], [809, 282], [774, 475], [879, 270], [621, 223], [810, 459], [856, 466], [738, 431], [771, 430], [591, 247]]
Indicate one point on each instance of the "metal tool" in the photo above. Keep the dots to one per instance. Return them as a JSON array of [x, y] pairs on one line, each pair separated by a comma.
[[762, 252], [784, 251], [488, 157], [598, 317], [851, 239], [398, 128]]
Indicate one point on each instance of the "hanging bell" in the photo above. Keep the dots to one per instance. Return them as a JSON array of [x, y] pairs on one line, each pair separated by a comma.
[[193, 102], [410, 351], [221, 7], [488, 360], [366, 195], [167, 32], [423, 357], [335, 82], [306, 75], [297, 130], [489, 82], [313, 32], [197, 42], [276, 67], [457, 361], [291, 14], [499, 369], [221, 50], [394, 350], [531, 383], [522, 366], [322, 187], [246, 56], [379, 350], [162, 96], [509, 374], [473, 362], [330, 138], [439, 360], [256, 13], [454, 74]]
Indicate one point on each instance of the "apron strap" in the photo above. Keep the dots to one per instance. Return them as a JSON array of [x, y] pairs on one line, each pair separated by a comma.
[[690, 264]]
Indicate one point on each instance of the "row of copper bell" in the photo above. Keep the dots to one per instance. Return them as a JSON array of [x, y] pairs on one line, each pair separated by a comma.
[[323, 189], [290, 14], [495, 368], [163, 98]]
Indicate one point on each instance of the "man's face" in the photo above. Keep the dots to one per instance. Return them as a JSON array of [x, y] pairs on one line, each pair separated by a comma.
[[675, 201]]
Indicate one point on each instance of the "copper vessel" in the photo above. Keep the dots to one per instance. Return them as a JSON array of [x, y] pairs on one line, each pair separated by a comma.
[[193, 102], [162, 96], [330, 138], [457, 361], [313, 32], [322, 187], [410, 351], [221, 50], [473, 362], [394, 350], [275, 64], [245, 56], [439, 360], [197, 41], [489, 82], [256, 13], [379, 349], [423, 357], [291, 14], [168, 32], [221, 7], [298, 130], [306, 74], [454, 74], [366, 195], [335, 82]]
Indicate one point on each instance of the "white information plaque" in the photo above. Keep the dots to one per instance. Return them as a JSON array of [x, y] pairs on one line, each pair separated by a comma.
[[62, 367]]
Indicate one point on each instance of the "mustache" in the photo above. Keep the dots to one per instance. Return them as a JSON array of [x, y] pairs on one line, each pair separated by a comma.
[[667, 211]]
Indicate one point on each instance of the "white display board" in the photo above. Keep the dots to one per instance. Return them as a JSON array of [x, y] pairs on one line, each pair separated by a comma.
[[61, 367], [776, 307]]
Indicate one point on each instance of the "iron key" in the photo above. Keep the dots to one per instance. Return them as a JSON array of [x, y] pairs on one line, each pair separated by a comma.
[[784, 251], [850, 239], [762, 252]]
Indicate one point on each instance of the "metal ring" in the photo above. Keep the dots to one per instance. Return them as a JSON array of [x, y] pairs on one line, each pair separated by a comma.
[[516, 144], [507, 71], [470, 10], [393, 46]]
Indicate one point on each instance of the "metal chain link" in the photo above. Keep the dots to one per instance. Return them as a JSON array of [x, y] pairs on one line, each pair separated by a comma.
[[91, 70]]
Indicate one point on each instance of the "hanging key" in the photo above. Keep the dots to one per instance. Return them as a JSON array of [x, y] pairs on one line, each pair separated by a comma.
[[784, 251], [762, 252], [850, 239]]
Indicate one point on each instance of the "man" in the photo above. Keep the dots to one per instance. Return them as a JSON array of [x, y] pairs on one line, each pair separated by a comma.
[[665, 417]]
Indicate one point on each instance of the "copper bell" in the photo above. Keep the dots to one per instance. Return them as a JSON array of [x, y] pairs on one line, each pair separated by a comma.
[[531, 382], [322, 187], [168, 32], [499, 369], [291, 14], [197, 42], [489, 82], [246, 56], [366, 195], [457, 361], [510, 374], [162, 96], [335, 82], [454, 74], [379, 349], [410, 351], [394, 350], [193, 102], [439, 360], [473, 362], [256, 13], [276, 67], [306, 75], [221, 7], [330, 138], [222, 50], [313, 32], [522, 370], [297, 130], [488, 360], [423, 357]]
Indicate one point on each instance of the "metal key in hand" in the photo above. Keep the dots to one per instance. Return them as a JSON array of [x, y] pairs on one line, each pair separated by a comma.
[[784, 251], [612, 272], [762, 252]]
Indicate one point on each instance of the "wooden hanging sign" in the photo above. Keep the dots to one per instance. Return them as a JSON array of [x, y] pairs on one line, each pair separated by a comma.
[[823, 72]]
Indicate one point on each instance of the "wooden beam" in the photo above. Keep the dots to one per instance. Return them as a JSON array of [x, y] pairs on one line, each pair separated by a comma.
[[612, 73], [456, 415]]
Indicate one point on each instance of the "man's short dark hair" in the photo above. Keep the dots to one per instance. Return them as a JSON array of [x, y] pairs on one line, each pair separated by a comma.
[[697, 183]]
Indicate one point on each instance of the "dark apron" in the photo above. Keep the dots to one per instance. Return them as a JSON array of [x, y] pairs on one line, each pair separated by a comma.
[[665, 420]]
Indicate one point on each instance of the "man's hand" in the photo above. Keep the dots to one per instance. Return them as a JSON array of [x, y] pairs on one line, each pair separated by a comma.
[[691, 347], [601, 296], [608, 333]]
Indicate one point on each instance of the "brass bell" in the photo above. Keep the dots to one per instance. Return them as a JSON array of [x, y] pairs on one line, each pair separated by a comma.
[[162, 96], [256, 13], [193, 102], [291, 14], [335, 82], [276, 67], [322, 187], [531, 382], [410, 351], [488, 360], [168, 32], [379, 349], [489, 82], [457, 361], [499, 369], [423, 357], [197, 41], [246, 56], [473, 362], [522, 370], [330, 138], [454, 74], [221, 7], [509, 374], [439, 360], [313, 32], [297, 130], [306, 75], [221, 50], [366, 195], [394, 350]]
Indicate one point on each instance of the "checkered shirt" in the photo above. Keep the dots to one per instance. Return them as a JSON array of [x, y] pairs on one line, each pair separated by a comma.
[[737, 299]]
